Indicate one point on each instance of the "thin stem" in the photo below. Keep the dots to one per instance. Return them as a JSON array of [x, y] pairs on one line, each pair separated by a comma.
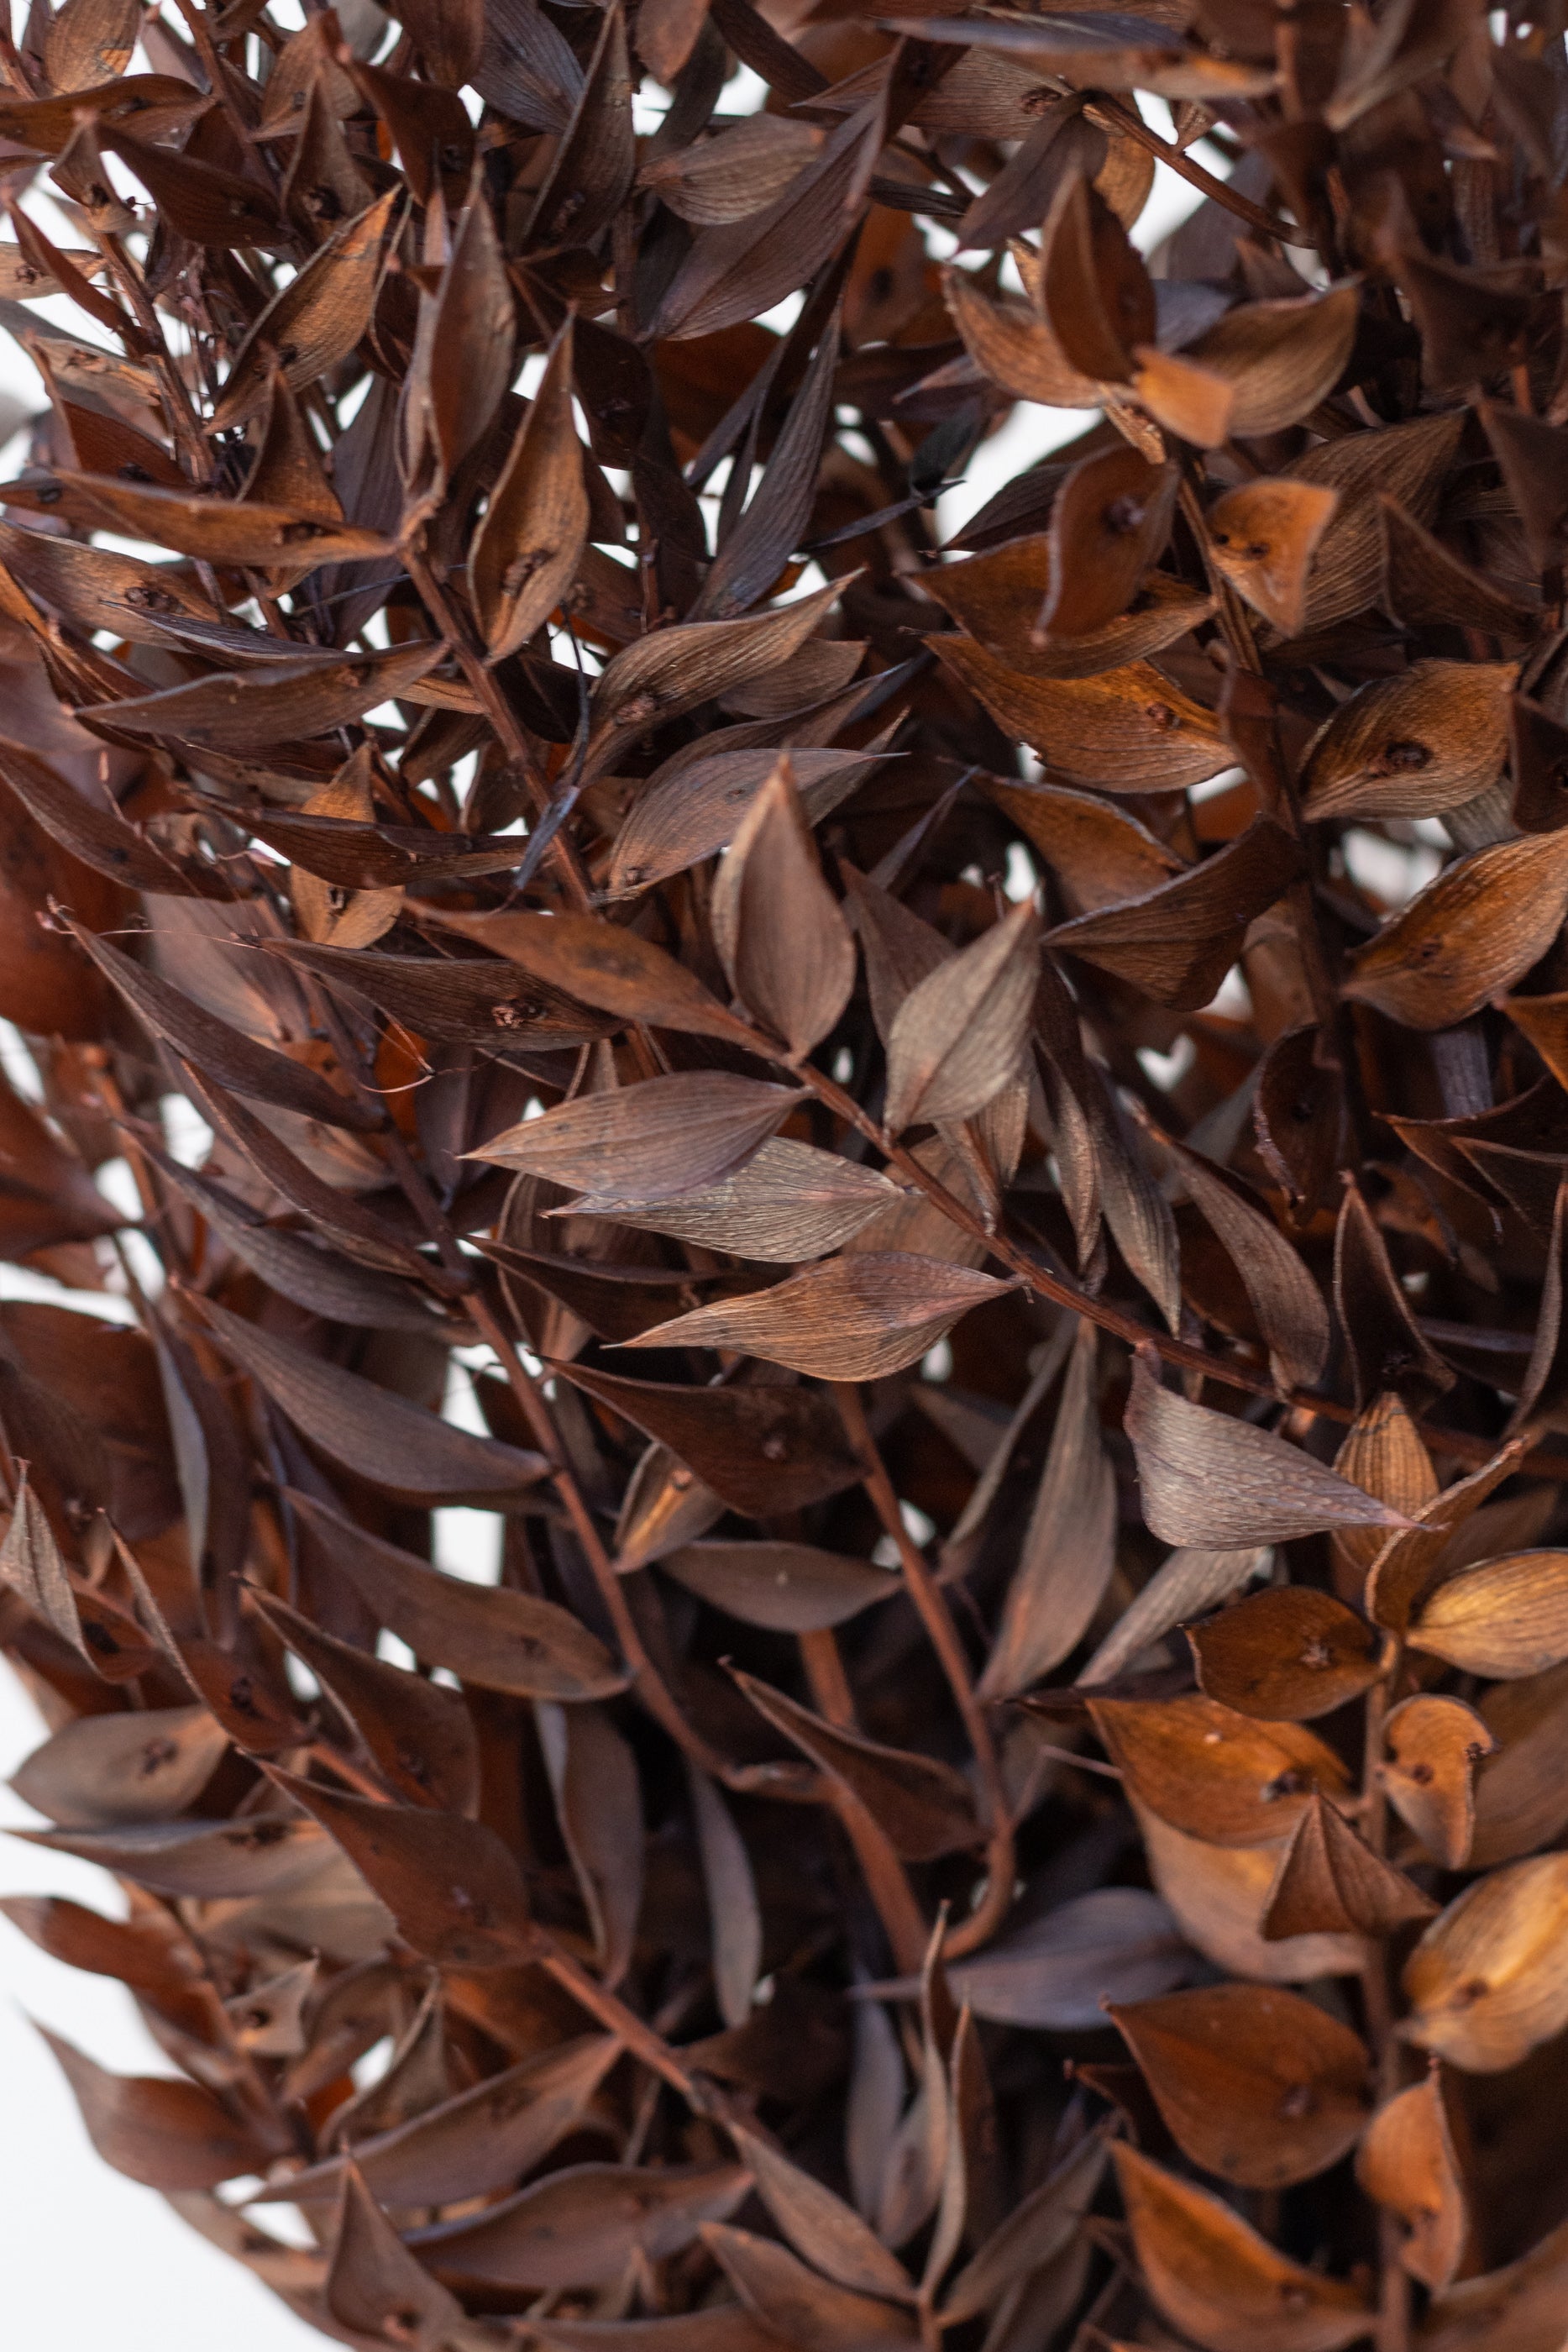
[[648, 1682], [884, 1875], [1109, 114], [931, 1605]]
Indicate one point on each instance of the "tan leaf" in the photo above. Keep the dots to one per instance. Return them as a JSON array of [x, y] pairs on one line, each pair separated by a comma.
[[1265, 535], [1489, 1979], [1219, 1893], [1408, 2163], [1505, 1619], [1434, 1745]]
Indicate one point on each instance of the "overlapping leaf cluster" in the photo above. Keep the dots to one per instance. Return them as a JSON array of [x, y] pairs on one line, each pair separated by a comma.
[[892, 1112]]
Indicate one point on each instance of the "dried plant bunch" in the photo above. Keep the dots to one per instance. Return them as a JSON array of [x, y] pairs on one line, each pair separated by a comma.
[[954, 1154]]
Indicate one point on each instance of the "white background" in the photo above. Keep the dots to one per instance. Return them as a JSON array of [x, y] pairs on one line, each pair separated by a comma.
[[90, 2261]]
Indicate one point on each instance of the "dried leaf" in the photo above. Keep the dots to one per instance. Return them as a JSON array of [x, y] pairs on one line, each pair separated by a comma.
[[659, 1140], [1259, 2086], [1209, 1479], [1487, 1981], [1330, 1882], [1213, 1773], [1408, 2163], [1215, 2278], [371, 1431], [856, 1318], [167, 2135], [1287, 1654]]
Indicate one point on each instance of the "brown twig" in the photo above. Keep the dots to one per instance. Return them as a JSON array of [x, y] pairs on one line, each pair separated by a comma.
[[931, 1606]]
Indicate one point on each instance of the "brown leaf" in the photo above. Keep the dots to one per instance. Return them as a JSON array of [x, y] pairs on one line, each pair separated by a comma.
[[1330, 1882], [1280, 358], [1265, 535], [489, 1635], [1213, 1773], [1286, 1654], [602, 964], [1111, 519], [1177, 942], [527, 550], [742, 267], [787, 1203], [418, 1734], [97, 835], [1288, 1303], [1409, 2164], [315, 320], [778, 928], [1259, 2086], [923, 1806], [674, 669], [1070, 1544], [104, 1769], [376, 2286], [1207, 1478], [582, 2226], [1094, 292], [1433, 1746], [1426, 585], [235, 711], [1099, 853], [784, 2295], [226, 1053], [472, 2144], [1413, 745], [763, 1449], [598, 1804], [823, 2226], [665, 1137], [856, 1318], [735, 174], [167, 2135], [1124, 730], [219, 531], [1215, 2278], [957, 1038], [787, 1587], [1468, 936], [686, 814], [371, 1431], [32, 1566], [454, 1888]]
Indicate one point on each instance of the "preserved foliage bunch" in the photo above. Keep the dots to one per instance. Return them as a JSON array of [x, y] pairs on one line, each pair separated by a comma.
[[893, 1113]]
